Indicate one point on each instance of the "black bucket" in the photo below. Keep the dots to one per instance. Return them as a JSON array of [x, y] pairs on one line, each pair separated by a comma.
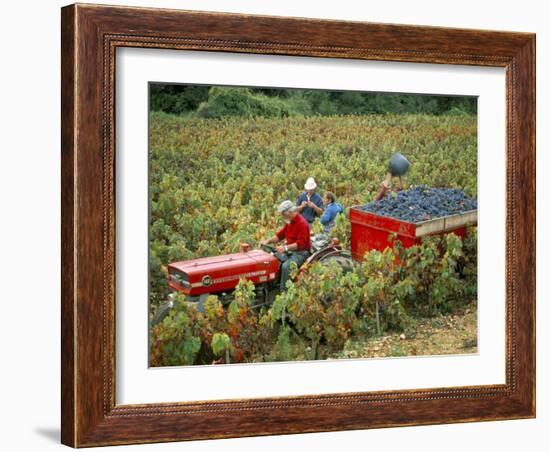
[[399, 164]]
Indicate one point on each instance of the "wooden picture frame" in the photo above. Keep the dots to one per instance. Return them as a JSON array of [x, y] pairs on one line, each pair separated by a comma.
[[90, 36]]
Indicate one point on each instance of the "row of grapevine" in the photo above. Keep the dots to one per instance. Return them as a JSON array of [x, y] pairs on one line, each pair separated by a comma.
[[318, 316]]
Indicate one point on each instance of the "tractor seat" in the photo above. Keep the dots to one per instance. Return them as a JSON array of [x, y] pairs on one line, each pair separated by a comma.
[[319, 241]]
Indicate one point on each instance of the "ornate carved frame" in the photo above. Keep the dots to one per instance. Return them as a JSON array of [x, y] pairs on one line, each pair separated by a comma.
[[90, 36]]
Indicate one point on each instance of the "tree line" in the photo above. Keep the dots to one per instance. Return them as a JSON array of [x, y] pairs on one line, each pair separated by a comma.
[[219, 101]]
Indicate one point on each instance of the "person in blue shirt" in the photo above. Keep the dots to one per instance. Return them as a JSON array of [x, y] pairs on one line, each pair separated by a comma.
[[309, 203], [332, 209]]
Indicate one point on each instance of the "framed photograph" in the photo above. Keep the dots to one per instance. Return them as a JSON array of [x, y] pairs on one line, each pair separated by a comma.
[[281, 225]]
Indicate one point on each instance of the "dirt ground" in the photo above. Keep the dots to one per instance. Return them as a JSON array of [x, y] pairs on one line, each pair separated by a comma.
[[442, 335]]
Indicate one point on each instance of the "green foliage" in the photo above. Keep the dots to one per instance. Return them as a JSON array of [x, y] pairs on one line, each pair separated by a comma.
[[433, 271], [283, 349], [251, 334], [467, 265], [342, 228], [220, 343], [176, 341], [328, 317], [176, 99], [380, 293], [241, 102], [218, 101]]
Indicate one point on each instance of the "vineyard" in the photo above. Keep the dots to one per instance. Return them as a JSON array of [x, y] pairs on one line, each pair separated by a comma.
[[216, 183]]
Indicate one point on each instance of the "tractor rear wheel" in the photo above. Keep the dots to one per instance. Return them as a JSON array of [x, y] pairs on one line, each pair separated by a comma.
[[342, 259]]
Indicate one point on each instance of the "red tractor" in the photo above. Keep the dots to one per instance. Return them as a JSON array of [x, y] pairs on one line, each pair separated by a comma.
[[219, 275]]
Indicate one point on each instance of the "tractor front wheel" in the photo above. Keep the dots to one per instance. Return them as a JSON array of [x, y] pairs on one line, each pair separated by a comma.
[[161, 312], [164, 309]]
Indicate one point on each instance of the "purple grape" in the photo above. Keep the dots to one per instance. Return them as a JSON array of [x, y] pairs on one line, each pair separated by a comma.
[[422, 203]]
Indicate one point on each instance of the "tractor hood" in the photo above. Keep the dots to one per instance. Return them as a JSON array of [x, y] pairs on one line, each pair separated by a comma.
[[222, 273]]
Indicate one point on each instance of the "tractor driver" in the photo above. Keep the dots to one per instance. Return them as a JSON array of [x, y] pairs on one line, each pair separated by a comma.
[[296, 234]]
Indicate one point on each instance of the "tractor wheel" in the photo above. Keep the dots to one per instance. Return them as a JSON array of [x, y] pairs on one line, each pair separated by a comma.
[[342, 259], [162, 312], [198, 304], [164, 309]]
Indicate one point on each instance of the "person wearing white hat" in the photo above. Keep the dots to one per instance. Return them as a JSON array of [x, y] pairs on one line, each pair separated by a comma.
[[309, 203]]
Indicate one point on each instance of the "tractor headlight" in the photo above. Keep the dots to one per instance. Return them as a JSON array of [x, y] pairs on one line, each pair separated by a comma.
[[179, 279]]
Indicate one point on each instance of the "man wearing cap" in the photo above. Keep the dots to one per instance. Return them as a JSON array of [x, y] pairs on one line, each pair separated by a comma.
[[295, 232], [310, 203]]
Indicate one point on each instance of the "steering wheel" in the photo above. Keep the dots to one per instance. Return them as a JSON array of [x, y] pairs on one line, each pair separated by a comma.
[[269, 248], [281, 257]]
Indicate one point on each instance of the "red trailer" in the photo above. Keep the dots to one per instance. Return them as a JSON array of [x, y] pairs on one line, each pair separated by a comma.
[[370, 231]]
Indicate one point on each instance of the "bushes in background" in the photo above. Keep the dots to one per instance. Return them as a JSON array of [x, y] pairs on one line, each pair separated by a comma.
[[220, 101]]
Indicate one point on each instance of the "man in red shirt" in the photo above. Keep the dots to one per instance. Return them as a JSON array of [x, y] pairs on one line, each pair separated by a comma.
[[295, 232]]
